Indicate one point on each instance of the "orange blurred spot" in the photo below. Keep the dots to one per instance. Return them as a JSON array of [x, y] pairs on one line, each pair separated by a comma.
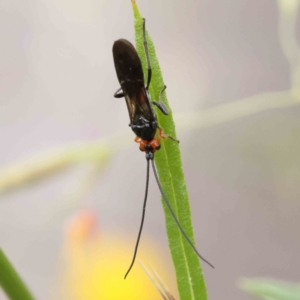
[[82, 226]]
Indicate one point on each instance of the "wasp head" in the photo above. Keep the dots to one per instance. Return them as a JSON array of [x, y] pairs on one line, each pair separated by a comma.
[[150, 147]]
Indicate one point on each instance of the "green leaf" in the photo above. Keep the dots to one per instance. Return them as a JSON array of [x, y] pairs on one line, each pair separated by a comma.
[[269, 289], [11, 282], [42, 165], [190, 280]]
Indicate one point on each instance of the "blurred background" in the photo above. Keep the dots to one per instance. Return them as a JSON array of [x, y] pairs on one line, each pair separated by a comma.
[[72, 179]]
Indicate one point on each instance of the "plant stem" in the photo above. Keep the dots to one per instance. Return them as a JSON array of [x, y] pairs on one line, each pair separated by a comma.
[[11, 282]]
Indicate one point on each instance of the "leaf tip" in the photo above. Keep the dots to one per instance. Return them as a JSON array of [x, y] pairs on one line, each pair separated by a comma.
[[135, 9], [245, 284]]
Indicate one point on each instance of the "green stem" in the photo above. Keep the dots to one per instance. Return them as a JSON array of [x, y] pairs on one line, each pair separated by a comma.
[[190, 280], [11, 282]]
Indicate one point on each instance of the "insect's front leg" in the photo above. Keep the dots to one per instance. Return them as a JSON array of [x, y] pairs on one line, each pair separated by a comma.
[[147, 55], [164, 136], [117, 94], [137, 139], [160, 104]]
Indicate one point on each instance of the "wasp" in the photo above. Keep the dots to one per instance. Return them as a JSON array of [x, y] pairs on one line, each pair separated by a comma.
[[143, 120]]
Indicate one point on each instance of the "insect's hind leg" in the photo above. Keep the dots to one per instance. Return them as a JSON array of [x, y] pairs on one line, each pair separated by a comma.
[[118, 95], [164, 136], [147, 55]]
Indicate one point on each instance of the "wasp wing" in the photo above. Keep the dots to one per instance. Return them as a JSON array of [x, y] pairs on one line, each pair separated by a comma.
[[130, 74]]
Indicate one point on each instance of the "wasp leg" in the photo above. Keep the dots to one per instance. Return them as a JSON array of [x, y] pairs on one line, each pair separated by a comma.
[[160, 104], [117, 94], [147, 55], [137, 139], [164, 136], [141, 142]]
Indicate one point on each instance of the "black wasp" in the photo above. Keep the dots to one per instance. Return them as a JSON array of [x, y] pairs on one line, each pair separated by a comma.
[[142, 116]]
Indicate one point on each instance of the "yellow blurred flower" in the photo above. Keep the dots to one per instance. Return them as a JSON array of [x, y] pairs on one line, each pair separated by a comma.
[[94, 264]]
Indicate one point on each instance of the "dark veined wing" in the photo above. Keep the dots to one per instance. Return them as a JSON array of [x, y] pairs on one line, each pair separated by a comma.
[[130, 74]]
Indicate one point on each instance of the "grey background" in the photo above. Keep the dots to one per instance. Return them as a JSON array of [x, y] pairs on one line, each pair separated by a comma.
[[57, 82]]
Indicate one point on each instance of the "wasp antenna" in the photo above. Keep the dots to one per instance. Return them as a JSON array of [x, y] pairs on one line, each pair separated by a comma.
[[174, 216], [142, 221]]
